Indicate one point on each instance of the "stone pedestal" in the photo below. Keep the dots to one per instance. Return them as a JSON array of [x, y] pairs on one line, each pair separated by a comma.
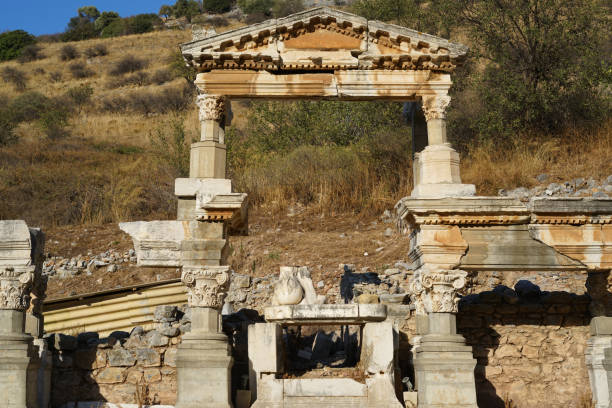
[[598, 364], [436, 173], [15, 358], [207, 160], [436, 168], [204, 360], [444, 366]]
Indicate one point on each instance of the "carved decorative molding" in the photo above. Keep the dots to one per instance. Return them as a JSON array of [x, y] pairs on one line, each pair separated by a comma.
[[206, 285], [437, 291], [434, 106], [15, 285], [324, 39], [212, 107]]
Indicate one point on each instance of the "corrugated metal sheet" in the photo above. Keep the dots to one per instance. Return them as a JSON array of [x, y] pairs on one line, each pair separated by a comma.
[[118, 309]]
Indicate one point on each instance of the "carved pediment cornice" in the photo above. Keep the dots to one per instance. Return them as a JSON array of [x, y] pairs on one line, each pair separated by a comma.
[[323, 39]]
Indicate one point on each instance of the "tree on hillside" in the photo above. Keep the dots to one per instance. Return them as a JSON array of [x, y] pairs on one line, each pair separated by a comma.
[[545, 60], [106, 18], [82, 27], [13, 42], [186, 8]]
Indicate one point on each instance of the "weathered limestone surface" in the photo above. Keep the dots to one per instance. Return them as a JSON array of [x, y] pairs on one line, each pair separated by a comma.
[[326, 314], [176, 243]]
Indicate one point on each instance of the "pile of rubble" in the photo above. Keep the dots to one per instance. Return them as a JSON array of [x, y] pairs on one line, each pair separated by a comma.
[[578, 187], [62, 268]]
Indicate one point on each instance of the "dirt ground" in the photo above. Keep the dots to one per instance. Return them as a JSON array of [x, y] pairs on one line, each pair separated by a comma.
[[295, 238]]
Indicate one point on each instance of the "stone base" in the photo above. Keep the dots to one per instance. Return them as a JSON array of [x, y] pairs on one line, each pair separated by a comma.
[[598, 361], [436, 174], [443, 190], [15, 358], [204, 365], [444, 371]]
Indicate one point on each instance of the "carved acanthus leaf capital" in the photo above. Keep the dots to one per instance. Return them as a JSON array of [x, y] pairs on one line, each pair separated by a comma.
[[206, 285], [437, 291], [434, 106], [211, 107], [15, 285]]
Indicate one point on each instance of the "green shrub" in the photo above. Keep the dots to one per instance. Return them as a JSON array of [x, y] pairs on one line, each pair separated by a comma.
[[128, 64], [79, 70], [68, 52], [28, 106], [256, 6], [98, 50], [218, 6], [31, 53], [114, 29], [14, 77], [161, 76], [12, 43], [55, 76], [141, 23], [53, 123], [80, 95], [170, 145], [139, 78]]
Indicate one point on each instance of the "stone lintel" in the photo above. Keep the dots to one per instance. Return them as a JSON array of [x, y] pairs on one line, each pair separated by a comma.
[[345, 85], [338, 314]]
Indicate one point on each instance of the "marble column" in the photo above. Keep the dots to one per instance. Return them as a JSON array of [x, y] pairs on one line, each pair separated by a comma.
[[208, 155], [208, 158], [20, 248], [436, 168], [443, 363], [599, 361], [204, 360]]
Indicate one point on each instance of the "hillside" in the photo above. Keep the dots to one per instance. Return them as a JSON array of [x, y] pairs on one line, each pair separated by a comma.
[[121, 151]]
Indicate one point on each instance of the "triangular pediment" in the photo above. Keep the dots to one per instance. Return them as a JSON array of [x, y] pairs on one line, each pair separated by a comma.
[[323, 39]]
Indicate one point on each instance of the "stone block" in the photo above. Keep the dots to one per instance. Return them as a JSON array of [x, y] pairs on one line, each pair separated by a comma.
[[601, 326], [207, 160], [148, 357], [152, 375], [165, 313], [377, 349], [189, 187], [263, 351], [111, 375], [170, 357], [324, 387], [156, 339], [121, 358]]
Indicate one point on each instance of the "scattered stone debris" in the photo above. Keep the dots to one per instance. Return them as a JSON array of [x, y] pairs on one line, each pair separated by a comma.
[[578, 187]]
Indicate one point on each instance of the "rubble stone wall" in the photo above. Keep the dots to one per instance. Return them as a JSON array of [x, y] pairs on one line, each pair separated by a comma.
[[529, 341]]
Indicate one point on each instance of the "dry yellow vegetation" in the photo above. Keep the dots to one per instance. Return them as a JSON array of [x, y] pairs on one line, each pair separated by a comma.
[[106, 171]]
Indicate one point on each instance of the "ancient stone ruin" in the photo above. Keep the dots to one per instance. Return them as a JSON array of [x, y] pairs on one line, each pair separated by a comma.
[[460, 339]]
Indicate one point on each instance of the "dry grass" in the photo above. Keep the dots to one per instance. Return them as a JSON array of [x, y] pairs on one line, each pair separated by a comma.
[[105, 172], [577, 153]]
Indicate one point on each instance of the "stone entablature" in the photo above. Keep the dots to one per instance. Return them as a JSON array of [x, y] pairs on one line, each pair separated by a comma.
[[482, 233], [324, 39]]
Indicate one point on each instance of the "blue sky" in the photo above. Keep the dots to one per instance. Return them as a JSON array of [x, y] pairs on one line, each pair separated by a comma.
[[51, 16]]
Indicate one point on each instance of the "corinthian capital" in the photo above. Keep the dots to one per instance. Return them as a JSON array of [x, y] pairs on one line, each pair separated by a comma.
[[211, 107], [434, 106], [15, 285], [437, 291], [206, 285]]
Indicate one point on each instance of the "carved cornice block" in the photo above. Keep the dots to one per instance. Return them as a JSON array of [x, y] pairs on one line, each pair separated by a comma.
[[323, 39]]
